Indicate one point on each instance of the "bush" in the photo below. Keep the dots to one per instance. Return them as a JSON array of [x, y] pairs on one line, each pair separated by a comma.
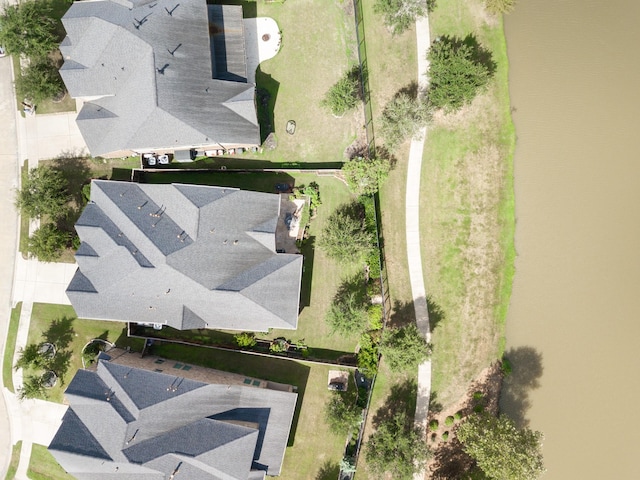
[[368, 355], [44, 193], [399, 15], [458, 70], [506, 367], [348, 311], [449, 421], [344, 94], [478, 408], [375, 316], [457, 416], [433, 425], [245, 339], [445, 436], [47, 243], [402, 118], [365, 175], [39, 81]]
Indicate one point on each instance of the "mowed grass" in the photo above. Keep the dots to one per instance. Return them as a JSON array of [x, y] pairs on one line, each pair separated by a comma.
[[321, 274], [42, 465], [10, 347], [318, 46], [70, 337], [467, 214], [312, 446], [13, 463]]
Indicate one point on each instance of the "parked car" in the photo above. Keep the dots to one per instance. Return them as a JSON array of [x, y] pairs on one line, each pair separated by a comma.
[[3, 52]]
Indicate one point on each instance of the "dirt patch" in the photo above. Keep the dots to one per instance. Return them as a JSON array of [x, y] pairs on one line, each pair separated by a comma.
[[449, 459]]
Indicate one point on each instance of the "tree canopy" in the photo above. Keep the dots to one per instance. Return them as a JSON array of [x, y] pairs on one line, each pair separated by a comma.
[[348, 311], [345, 236], [39, 81], [404, 348], [396, 447], [399, 15], [344, 95], [500, 448], [47, 243], [458, 70], [402, 118], [365, 175], [27, 28], [33, 386], [43, 193], [342, 416]]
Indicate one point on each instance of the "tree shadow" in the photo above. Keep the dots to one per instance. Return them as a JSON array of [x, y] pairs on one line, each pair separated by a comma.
[[355, 286], [410, 90], [60, 332], [479, 54], [60, 364], [402, 314], [527, 368], [451, 461], [402, 398], [436, 314], [435, 406], [76, 172], [328, 471]]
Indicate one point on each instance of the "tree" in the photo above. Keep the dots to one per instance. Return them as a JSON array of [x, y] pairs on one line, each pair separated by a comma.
[[344, 94], [30, 357], [458, 70], [47, 243], [345, 236], [500, 6], [28, 29], [404, 348], [396, 447], [347, 314], [43, 193], [402, 118], [500, 448], [32, 387], [342, 417], [365, 175], [39, 81], [399, 15]]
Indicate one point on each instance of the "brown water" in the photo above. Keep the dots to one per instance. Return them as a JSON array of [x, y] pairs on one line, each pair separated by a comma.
[[574, 320]]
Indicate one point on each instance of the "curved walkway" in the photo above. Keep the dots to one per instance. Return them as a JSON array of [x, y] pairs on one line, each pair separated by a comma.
[[414, 256]]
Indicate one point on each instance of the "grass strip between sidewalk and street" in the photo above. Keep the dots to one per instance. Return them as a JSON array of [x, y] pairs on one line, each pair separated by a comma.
[[10, 347], [15, 460]]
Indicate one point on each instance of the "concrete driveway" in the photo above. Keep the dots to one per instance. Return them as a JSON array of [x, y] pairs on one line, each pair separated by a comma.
[[40, 282]]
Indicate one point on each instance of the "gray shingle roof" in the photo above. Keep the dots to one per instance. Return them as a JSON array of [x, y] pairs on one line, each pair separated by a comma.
[[184, 255], [207, 431], [150, 79]]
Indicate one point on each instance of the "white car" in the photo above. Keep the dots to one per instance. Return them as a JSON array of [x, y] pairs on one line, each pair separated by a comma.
[[3, 52]]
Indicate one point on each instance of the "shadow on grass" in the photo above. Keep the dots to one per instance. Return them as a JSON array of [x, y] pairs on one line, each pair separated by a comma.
[[328, 471], [308, 252], [436, 314], [402, 398], [75, 171], [60, 364], [403, 313], [60, 332], [527, 368], [266, 368]]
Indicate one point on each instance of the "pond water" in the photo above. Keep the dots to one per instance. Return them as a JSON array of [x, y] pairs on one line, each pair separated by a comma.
[[573, 328]]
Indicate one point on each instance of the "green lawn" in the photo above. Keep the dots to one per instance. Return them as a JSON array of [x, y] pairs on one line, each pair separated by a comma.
[[24, 219], [467, 208], [15, 459], [70, 334], [305, 455], [318, 46], [321, 275], [10, 347], [42, 466]]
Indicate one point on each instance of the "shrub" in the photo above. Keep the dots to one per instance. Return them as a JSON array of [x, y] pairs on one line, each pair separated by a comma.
[[44, 193], [478, 408], [348, 311], [375, 316], [279, 345], [28, 29], [342, 417], [245, 339], [478, 395], [506, 367], [445, 436], [368, 355], [365, 175], [39, 81], [402, 118], [433, 425], [449, 421], [47, 243], [344, 94], [457, 416]]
